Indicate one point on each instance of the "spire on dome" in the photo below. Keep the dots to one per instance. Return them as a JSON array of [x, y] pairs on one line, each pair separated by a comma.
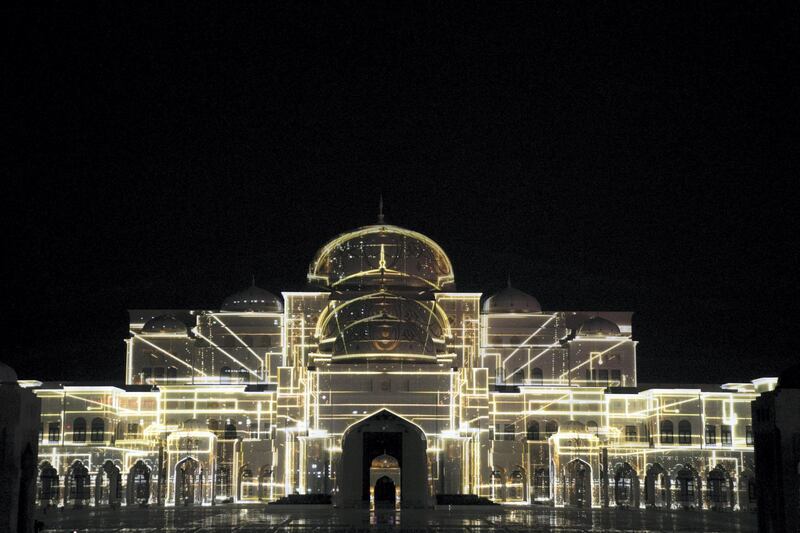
[[380, 210]]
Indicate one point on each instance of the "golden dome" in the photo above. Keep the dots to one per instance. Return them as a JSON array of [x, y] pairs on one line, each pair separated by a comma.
[[382, 255], [384, 461]]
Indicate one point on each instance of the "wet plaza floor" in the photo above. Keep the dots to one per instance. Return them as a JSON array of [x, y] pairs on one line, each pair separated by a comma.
[[307, 520]]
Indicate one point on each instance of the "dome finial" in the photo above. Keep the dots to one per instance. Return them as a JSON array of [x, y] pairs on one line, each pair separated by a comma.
[[509, 279], [252, 280], [380, 210]]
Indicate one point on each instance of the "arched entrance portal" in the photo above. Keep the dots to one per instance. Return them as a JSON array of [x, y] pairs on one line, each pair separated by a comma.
[[383, 434], [187, 473]]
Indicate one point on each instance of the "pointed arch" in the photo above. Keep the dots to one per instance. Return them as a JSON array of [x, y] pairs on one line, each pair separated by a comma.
[[626, 486], [578, 484], [405, 437], [48, 485], [657, 487], [720, 488], [138, 486], [78, 489], [688, 487]]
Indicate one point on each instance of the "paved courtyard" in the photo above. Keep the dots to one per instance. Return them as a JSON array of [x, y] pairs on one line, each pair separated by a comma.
[[505, 519]]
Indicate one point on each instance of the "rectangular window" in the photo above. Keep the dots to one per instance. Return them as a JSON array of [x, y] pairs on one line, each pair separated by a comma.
[[604, 376], [616, 378], [54, 431], [711, 434], [748, 435], [630, 433], [158, 372], [510, 429], [725, 435]]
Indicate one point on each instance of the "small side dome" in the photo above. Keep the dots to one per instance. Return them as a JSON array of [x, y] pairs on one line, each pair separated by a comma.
[[193, 424], [7, 374], [385, 461], [511, 300], [598, 327], [164, 324], [253, 299]]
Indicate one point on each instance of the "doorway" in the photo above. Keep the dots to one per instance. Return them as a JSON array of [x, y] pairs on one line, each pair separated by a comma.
[[383, 445], [385, 496]]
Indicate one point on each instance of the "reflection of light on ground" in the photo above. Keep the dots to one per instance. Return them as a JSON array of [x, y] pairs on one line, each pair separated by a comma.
[[305, 519]]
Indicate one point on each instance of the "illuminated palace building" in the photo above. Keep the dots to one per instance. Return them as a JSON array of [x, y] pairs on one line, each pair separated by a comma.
[[381, 384]]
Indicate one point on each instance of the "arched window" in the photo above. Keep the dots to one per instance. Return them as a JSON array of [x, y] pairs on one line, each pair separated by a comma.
[[684, 432], [591, 426], [79, 430], [213, 425], [54, 431], [667, 432], [230, 431], [98, 430], [538, 378], [550, 428], [533, 430]]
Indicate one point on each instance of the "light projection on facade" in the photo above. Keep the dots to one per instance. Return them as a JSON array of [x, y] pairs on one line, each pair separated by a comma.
[[382, 385]]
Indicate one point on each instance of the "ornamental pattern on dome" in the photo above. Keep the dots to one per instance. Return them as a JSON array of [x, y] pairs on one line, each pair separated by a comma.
[[598, 326], [383, 326], [384, 461], [382, 255]]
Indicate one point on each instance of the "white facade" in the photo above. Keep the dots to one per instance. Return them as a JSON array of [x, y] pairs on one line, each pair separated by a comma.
[[504, 400]]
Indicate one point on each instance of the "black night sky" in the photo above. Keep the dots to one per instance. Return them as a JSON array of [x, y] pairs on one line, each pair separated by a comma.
[[623, 156]]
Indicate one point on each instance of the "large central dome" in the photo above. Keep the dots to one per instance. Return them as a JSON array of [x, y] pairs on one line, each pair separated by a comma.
[[381, 256], [382, 306]]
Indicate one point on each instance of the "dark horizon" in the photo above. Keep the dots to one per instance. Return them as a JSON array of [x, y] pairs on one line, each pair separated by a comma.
[[631, 158]]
